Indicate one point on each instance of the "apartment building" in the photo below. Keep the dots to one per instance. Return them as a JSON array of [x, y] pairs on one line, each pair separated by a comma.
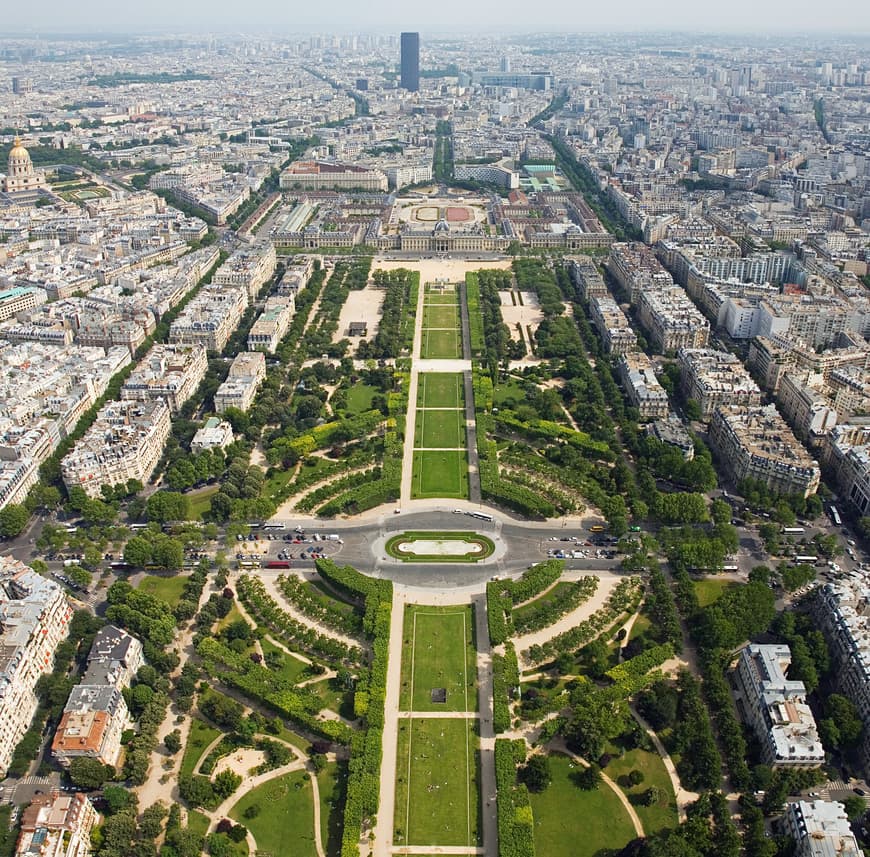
[[215, 434], [642, 387], [820, 828], [170, 372], [586, 278], [846, 452], [96, 714], [20, 299], [249, 268], [296, 276], [776, 709], [247, 372], [802, 400], [756, 443], [57, 825], [635, 267], [210, 318], [269, 329], [713, 378], [34, 618], [613, 327], [125, 442], [671, 320]]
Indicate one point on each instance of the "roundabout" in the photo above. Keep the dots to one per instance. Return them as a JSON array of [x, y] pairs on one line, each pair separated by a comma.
[[433, 546]]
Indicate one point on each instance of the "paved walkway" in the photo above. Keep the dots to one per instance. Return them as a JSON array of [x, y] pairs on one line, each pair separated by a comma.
[[406, 487], [570, 620], [383, 831], [683, 796]]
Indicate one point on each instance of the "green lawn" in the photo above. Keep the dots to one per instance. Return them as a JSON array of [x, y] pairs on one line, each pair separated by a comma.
[[570, 822], [662, 814], [438, 652], [440, 429], [512, 390], [437, 799], [440, 474], [711, 589], [168, 589], [440, 345], [434, 297], [359, 397], [440, 390], [333, 697], [291, 668], [331, 781], [201, 735], [441, 316], [286, 815], [200, 502], [198, 823]]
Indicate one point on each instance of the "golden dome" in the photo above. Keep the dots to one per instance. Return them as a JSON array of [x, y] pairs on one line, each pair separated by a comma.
[[17, 150]]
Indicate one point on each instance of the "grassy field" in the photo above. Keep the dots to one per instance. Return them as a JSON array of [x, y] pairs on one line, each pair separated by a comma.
[[570, 822], [201, 735], [512, 390], [711, 589], [198, 823], [440, 429], [291, 668], [286, 815], [662, 814], [440, 474], [331, 782], [438, 651], [168, 589], [440, 390], [436, 783], [200, 503], [441, 316], [434, 298], [359, 398], [440, 344]]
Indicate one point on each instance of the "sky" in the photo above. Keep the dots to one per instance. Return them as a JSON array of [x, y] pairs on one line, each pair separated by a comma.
[[285, 17]]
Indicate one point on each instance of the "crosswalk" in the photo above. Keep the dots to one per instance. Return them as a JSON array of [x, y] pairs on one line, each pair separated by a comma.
[[7, 791]]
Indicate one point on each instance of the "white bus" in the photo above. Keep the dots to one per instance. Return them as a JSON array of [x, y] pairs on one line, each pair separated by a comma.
[[481, 515], [793, 531], [273, 525], [835, 516], [806, 560]]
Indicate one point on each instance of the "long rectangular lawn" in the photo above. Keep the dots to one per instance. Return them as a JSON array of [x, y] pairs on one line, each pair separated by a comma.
[[437, 800], [440, 474], [440, 390], [441, 316], [438, 652], [440, 344], [440, 429]]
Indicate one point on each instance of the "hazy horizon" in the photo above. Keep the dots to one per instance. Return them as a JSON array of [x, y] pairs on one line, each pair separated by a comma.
[[450, 16]]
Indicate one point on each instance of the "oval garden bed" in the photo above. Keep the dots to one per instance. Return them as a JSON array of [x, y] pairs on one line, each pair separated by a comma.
[[435, 546]]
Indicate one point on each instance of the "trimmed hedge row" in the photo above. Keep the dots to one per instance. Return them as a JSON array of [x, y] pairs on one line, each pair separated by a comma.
[[569, 598], [260, 683], [337, 486], [363, 793], [625, 596], [516, 824], [502, 595], [319, 608], [505, 677], [475, 319], [295, 634]]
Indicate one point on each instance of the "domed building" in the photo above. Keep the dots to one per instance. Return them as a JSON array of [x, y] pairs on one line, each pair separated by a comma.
[[21, 176]]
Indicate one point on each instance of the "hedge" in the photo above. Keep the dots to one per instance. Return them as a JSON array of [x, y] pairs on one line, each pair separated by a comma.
[[516, 824], [501, 595], [625, 596], [318, 607], [475, 319], [505, 678], [569, 597]]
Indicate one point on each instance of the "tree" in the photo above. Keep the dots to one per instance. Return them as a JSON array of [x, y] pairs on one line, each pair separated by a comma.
[[89, 773], [172, 741], [588, 779], [165, 506], [137, 552], [855, 807], [117, 798], [652, 796], [13, 520], [536, 773]]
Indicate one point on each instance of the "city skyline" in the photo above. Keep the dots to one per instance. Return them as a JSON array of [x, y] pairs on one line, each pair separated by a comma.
[[264, 16]]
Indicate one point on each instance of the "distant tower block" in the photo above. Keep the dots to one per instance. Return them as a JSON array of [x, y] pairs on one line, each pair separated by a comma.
[[410, 78]]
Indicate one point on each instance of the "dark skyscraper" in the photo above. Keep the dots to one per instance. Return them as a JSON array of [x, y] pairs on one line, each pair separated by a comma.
[[411, 61]]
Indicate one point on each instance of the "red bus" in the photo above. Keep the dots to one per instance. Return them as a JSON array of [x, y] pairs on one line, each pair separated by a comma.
[[278, 563]]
